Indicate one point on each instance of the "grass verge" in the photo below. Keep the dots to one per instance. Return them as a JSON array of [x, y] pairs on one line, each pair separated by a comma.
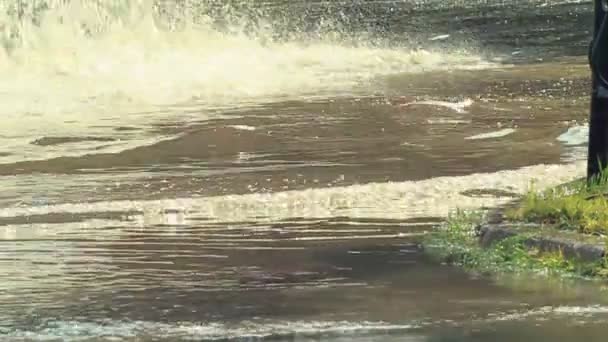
[[456, 242], [575, 206]]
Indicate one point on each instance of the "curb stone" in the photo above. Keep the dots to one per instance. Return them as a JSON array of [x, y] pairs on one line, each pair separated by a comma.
[[490, 234]]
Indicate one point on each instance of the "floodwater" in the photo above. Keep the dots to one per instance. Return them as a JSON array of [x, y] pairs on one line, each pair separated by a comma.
[[205, 170]]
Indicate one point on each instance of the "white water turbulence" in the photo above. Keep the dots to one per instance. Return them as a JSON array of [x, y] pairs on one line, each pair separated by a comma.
[[435, 197], [492, 135], [575, 142], [110, 70], [458, 107], [575, 136], [114, 330]]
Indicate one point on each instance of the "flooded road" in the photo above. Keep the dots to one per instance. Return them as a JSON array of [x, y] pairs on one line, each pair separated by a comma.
[[190, 171]]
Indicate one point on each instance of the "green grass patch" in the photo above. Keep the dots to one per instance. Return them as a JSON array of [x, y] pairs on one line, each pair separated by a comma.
[[579, 206], [456, 242]]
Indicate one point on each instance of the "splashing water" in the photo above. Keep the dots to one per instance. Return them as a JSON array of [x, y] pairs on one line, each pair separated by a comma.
[[86, 67]]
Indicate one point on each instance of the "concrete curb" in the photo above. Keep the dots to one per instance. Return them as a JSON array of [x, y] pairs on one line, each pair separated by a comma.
[[491, 233]]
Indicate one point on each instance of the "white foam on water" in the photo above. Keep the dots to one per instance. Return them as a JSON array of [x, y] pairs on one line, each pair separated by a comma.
[[434, 197], [546, 311], [492, 135], [119, 330], [243, 127], [576, 135], [440, 37], [116, 330], [447, 121], [581, 310], [59, 79], [575, 139], [459, 107]]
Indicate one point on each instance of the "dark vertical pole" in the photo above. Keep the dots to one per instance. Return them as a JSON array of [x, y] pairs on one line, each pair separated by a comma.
[[598, 120]]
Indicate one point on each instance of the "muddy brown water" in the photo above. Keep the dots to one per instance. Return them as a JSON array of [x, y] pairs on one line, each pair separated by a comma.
[[291, 207]]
